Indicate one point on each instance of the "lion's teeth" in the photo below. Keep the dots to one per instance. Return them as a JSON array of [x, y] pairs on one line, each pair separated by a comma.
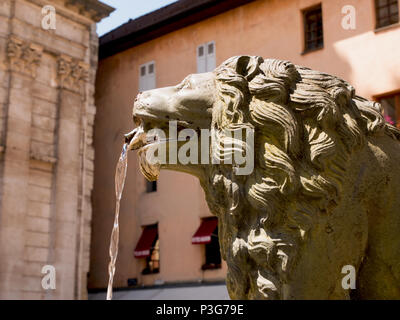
[[138, 140]]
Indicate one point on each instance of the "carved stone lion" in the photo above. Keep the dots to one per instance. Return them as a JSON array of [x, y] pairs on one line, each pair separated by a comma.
[[324, 192]]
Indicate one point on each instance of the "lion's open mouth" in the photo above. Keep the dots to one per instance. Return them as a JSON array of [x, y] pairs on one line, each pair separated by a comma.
[[139, 140], [145, 143], [147, 137]]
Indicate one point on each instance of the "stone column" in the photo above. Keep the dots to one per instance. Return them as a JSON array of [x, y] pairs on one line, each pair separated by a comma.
[[72, 75], [87, 171], [23, 59]]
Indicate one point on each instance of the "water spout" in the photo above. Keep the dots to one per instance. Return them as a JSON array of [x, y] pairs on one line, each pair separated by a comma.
[[120, 176]]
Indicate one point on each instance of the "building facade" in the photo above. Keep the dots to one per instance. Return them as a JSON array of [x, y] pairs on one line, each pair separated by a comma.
[[357, 40], [48, 62]]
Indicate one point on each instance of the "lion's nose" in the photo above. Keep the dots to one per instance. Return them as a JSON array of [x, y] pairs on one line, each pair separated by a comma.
[[138, 110], [140, 99], [139, 95], [138, 104]]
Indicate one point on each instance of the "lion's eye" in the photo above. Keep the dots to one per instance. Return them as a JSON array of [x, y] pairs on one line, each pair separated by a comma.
[[185, 84]]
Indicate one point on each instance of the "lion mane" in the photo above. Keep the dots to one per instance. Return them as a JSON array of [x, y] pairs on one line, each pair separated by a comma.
[[307, 126]]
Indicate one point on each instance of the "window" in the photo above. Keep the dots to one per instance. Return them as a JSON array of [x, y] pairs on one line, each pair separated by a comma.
[[206, 57], [391, 108], [148, 247], [147, 76], [387, 12], [313, 31], [207, 234], [151, 186], [213, 254], [153, 260]]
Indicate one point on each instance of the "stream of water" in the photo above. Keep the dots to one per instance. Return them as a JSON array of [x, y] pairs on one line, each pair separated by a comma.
[[137, 140], [120, 175]]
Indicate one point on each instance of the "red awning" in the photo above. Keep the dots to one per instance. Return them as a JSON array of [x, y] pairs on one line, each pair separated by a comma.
[[203, 234], [146, 240]]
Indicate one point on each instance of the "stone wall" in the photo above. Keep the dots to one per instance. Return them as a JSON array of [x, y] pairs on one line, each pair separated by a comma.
[[46, 152]]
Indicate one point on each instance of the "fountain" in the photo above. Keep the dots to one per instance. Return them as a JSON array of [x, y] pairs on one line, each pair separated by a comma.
[[314, 204]]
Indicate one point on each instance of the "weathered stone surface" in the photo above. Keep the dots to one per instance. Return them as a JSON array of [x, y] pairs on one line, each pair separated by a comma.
[[33, 269], [31, 295], [38, 239], [43, 122], [323, 193], [39, 209], [37, 224], [38, 193], [33, 285], [23, 56], [5, 7], [36, 255], [43, 100], [72, 73], [40, 178]]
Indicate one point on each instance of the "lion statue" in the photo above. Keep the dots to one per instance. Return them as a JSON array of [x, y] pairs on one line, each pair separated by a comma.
[[323, 198]]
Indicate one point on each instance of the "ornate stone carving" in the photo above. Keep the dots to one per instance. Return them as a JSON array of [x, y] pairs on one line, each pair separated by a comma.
[[92, 9], [72, 73], [23, 56], [323, 194]]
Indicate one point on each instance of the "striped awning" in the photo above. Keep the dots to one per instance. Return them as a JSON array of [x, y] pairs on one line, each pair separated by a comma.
[[204, 232], [146, 241]]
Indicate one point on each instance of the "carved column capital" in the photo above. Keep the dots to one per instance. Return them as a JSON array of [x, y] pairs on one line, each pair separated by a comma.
[[23, 56], [72, 73]]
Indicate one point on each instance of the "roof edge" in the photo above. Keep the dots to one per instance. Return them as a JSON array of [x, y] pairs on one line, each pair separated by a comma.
[[167, 19]]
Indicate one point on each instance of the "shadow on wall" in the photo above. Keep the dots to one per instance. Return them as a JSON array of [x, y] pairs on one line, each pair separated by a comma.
[[370, 62]]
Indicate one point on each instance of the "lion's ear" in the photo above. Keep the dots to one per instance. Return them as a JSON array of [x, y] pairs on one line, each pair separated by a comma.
[[246, 66]]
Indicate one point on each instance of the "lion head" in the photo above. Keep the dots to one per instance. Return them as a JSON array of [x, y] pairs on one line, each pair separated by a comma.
[[306, 125]]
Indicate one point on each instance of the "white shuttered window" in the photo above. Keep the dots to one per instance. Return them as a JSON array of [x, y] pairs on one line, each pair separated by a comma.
[[206, 57], [147, 76]]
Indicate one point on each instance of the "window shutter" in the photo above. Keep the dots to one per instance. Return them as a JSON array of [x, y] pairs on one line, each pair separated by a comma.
[[147, 76], [151, 76], [142, 78], [201, 59], [210, 56]]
